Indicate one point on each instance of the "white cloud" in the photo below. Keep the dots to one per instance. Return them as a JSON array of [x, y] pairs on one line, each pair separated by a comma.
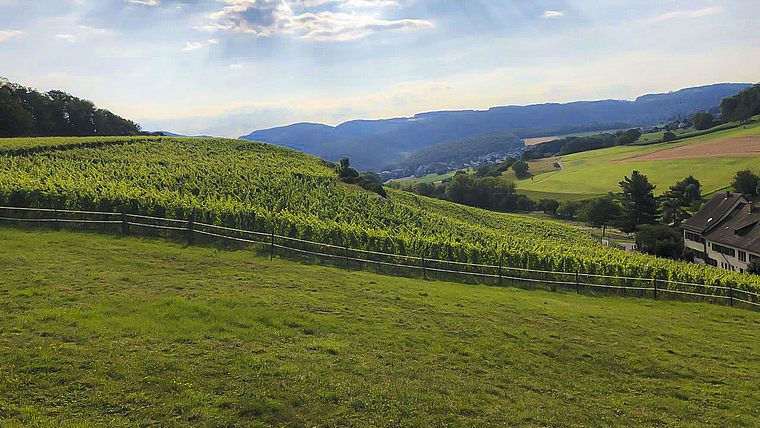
[[7, 34], [551, 14], [144, 2], [213, 41], [268, 17], [192, 46], [699, 13], [236, 66], [329, 26], [96, 32], [67, 37]]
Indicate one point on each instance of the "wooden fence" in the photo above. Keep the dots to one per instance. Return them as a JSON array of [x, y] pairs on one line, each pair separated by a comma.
[[386, 263]]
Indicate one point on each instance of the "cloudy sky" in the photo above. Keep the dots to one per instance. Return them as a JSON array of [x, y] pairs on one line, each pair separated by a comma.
[[227, 67]]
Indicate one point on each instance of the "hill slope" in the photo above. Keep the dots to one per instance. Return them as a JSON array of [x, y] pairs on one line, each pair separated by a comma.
[[713, 159], [262, 187], [373, 144], [101, 330]]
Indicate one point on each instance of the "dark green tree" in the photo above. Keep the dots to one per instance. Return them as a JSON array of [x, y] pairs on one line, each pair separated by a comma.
[[628, 137], [521, 169], [568, 209], [754, 267], [548, 206], [639, 203], [15, 120], [669, 136], [746, 182], [660, 240], [601, 212], [703, 120]]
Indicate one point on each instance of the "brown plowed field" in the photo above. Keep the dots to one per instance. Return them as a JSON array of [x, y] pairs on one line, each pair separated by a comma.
[[736, 147], [538, 140]]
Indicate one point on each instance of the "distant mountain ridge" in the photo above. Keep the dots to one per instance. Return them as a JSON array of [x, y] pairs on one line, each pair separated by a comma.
[[372, 144]]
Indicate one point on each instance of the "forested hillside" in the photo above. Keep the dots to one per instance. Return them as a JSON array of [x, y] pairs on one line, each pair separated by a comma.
[[26, 112], [262, 187], [374, 144]]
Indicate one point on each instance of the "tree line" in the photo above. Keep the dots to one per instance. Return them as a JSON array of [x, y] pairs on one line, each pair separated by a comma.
[[26, 112]]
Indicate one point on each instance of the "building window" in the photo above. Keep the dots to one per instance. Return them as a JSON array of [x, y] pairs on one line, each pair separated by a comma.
[[694, 237], [711, 262], [742, 256], [724, 250]]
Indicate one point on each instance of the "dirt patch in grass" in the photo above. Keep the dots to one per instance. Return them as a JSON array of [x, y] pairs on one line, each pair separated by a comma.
[[736, 147], [538, 140]]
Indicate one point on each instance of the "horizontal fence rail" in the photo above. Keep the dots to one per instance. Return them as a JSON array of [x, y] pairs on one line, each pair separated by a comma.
[[344, 256]]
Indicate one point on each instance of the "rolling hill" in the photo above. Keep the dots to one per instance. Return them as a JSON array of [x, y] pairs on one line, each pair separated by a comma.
[[373, 144], [262, 187], [713, 159]]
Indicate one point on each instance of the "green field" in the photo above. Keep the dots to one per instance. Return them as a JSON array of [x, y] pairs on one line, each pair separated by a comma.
[[430, 178], [101, 330], [594, 172], [265, 188]]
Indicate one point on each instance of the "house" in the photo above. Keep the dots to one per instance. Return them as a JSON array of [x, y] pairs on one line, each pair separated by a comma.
[[725, 232]]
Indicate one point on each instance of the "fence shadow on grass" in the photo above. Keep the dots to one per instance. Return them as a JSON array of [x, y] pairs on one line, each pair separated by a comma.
[[271, 244]]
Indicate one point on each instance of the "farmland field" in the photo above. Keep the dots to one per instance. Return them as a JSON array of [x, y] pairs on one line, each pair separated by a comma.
[[261, 187], [712, 159], [100, 330]]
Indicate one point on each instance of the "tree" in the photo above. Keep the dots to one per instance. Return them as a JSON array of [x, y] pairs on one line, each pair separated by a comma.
[[669, 136], [628, 137], [424, 189], [568, 209], [15, 120], [660, 240], [754, 267], [601, 212], [746, 182], [639, 204], [548, 206], [703, 120], [687, 191], [521, 169], [742, 114]]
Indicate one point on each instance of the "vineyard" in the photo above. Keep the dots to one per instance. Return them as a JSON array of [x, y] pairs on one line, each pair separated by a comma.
[[261, 187]]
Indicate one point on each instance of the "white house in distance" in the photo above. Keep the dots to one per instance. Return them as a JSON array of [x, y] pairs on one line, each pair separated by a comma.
[[725, 232]]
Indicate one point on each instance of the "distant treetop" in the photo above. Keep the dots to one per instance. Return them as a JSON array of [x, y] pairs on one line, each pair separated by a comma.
[[26, 112]]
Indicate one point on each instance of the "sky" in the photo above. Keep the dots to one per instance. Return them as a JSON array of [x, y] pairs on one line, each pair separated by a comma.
[[228, 67]]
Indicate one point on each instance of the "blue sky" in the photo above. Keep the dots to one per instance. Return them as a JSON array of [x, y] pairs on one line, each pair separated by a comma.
[[227, 67]]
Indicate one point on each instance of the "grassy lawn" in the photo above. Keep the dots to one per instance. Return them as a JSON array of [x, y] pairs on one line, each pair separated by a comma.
[[595, 172], [101, 330]]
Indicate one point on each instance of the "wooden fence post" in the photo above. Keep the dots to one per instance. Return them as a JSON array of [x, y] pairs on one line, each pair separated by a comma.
[[56, 226], [124, 222], [271, 247], [731, 294], [424, 271], [348, 267], [654, 284], [577, 282], [190, 235], [501, 263]]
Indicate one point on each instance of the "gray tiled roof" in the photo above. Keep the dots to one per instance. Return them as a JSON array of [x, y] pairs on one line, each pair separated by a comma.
[[713, 210], [740, 229]]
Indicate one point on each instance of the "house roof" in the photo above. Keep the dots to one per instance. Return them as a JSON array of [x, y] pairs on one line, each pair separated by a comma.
[[712, 212], [740, 230]]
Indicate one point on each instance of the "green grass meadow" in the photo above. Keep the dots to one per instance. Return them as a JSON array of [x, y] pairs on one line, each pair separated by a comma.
[[596, 172], [100, 330]]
